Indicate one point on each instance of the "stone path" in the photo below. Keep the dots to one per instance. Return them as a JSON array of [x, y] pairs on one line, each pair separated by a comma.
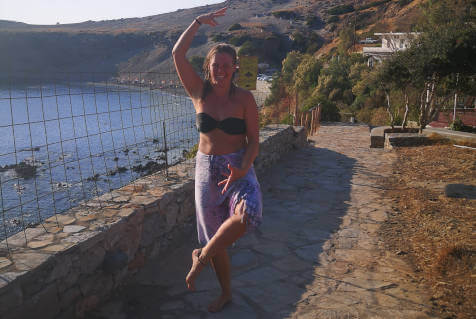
[[317, 254]]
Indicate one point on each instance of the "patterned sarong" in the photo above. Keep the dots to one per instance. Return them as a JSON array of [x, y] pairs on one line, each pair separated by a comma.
[[212, 207]]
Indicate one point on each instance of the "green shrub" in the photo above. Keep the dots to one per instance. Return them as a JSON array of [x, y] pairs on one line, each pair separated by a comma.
[[219, 37], [364, 19], [276, 91], [379, 117], [397, 119], [333, 19], [284, 14], [288, 119], [308, 42], [364, 115], [359, 101], [329, 110], [239, 40], [374, 4], [403, 3], [457, 125], [314, 22], [248, 48], [191, 153], [235, 26], [337, 10]]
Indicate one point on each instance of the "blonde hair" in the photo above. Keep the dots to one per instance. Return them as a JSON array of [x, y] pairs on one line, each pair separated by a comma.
[[219, 48]]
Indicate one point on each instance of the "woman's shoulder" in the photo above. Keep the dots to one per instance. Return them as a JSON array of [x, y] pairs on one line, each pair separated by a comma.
[[241, 93], [245, 98]]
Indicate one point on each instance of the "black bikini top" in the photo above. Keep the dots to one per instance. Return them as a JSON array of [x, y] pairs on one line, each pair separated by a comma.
[[231, 125]]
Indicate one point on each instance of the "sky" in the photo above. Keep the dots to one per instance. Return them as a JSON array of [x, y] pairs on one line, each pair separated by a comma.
[[73, 11]]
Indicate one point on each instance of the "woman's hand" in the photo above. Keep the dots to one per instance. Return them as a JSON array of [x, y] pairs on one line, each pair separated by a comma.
[[209, 18], [235, 173]]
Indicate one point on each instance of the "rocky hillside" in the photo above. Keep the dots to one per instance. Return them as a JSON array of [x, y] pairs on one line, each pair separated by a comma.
[[268, 28]]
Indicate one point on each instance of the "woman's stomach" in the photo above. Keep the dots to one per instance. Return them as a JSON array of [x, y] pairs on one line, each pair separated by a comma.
[[218, 142]]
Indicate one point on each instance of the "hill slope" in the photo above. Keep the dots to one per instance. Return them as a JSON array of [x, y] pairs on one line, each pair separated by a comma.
[[145, 44]]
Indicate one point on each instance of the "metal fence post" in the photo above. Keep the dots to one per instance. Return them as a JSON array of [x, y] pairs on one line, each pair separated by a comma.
[[166, 156]]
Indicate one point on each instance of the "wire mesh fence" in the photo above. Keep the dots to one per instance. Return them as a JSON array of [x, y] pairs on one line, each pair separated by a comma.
[[74, 136], [66, 138]]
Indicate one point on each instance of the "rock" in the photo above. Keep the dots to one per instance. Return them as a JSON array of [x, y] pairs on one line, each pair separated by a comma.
[[114, 261], [29, 260], [61, 219], [57, 247], [73, 228], [39, 244], [4, 262], [460, 191], [19, 238], [126, 212]]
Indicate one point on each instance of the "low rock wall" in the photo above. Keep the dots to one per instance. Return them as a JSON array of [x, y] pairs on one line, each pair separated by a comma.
[[64, 267], [378, 135], [384, 136], [404, 139], [457, 137]]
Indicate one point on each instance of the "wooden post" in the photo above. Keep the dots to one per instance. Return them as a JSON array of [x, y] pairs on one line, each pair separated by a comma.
[[306, 124], [316, 125], [312, 123], [315, 121], [296, 110], [319, 116]]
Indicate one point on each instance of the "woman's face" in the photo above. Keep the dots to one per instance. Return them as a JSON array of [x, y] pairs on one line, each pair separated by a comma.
[[221, 69]]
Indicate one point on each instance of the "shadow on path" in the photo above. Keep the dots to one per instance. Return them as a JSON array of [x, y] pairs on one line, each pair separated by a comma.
[[305, 197]]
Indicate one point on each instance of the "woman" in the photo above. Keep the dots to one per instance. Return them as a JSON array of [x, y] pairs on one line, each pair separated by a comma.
[[227, 193]]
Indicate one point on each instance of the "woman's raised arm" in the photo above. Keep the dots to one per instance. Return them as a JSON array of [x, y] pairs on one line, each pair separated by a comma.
[[190, 79]]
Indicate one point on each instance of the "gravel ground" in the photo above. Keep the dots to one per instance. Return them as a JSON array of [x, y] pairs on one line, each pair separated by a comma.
[[433, 197]]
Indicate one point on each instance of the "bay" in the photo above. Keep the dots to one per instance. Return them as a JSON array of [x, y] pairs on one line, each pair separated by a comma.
[[80, 141]]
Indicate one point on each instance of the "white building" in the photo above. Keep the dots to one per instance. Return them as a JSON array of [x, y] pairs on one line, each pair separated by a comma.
[[391, 42]]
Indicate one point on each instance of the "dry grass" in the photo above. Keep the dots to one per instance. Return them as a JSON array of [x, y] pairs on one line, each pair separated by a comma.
[[432, 231], [438, 139]]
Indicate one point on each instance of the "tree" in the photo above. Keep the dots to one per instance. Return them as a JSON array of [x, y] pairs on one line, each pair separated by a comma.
[[307, 74], [435, 58], [346, 37], [305, 79], [284, 79], [440, 62], [290, 63], [334, 81], [276, 90], [248, 48], [329, 110], [307, 42], [442, 13], [393, 75]]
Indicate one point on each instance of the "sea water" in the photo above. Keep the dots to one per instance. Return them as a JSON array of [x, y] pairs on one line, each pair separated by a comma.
[[83, 140]]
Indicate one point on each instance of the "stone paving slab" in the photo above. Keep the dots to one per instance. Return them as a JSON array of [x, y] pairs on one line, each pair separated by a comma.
[[317, 254]]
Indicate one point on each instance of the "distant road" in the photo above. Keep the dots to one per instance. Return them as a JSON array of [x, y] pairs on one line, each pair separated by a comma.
[[262, 92]]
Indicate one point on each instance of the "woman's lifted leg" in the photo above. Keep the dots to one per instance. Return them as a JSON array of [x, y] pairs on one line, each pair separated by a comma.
[[215, 251]]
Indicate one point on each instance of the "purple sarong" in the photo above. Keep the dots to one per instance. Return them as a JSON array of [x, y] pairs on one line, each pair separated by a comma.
[[212, 207]]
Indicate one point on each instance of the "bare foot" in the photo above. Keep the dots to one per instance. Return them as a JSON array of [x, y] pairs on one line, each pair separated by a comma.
[[220, 303], [194, 270]]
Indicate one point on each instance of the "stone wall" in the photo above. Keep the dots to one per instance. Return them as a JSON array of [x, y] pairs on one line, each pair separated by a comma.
[[67, 265], [384, 136]]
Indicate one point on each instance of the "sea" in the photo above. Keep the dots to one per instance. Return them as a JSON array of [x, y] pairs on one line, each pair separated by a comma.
[[61, 144]]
